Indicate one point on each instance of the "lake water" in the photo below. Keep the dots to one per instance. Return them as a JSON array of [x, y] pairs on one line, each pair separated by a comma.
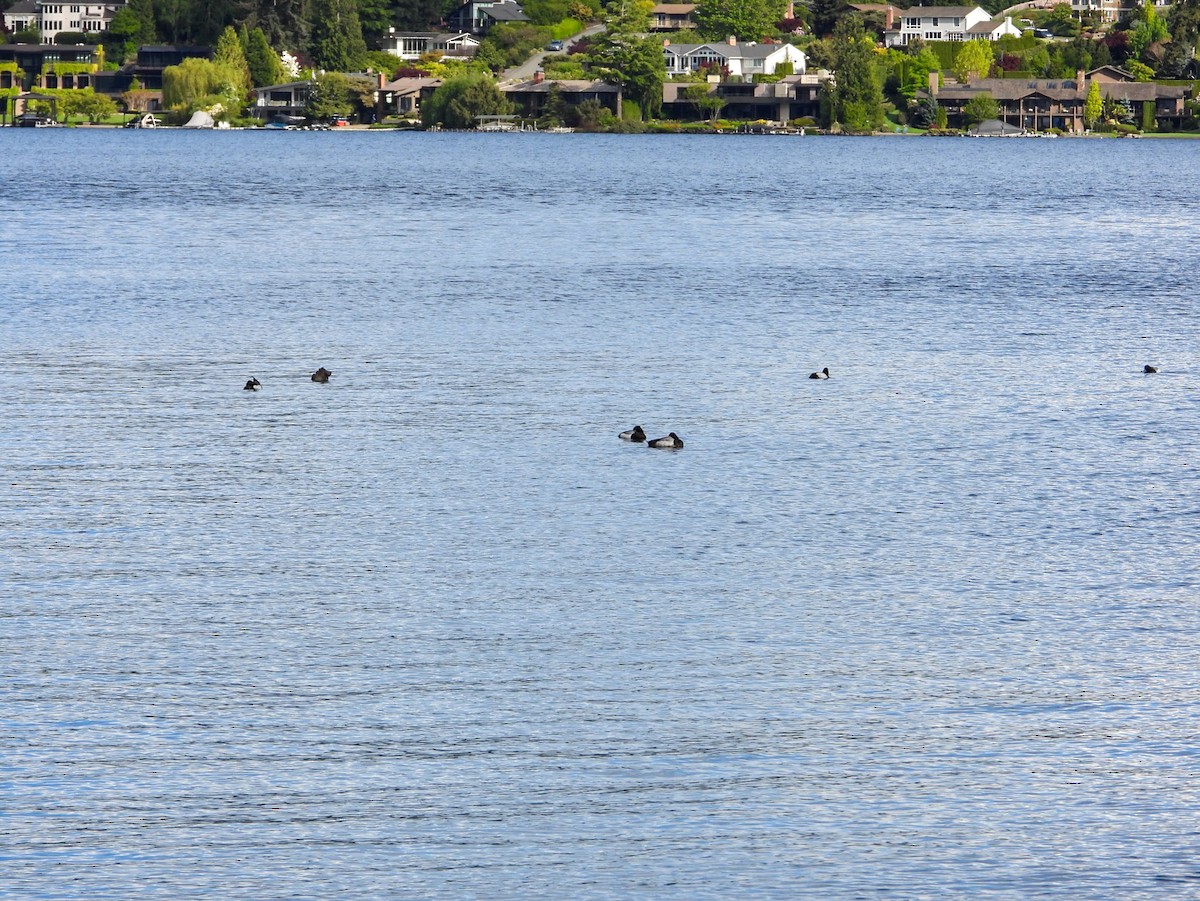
[[928, 629]]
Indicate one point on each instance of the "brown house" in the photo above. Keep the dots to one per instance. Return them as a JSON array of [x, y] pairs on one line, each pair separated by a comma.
[[672, 17], [1043, 104]]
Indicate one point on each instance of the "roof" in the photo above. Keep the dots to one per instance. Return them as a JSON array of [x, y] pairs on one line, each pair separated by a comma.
[[21, 8], [1066, 89], [743, 51], [989, 26], [950, 12], [567, 86], [279, 87], [674, 9], [433, 35], [411, 85], [507, 11]]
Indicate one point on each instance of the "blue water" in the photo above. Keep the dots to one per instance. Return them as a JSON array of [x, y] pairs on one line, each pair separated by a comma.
[[927, 629]]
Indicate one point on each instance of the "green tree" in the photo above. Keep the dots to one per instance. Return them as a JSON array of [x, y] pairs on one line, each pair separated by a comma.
[[1093, 106], [336, 42], [417, 15], [748, 20], [330, 97], [855, 100], [123, 35], [264, 64], [1150, 29], [980, 108], [229, 53], [97, 107], [626, 57], [825, 14], [460, 101], [973, 60], [375, 17], [707, 102], [143, 10], [1183, 21], [203, 84]]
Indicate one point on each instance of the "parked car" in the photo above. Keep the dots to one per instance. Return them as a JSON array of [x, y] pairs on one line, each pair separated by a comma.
[[555, 46]]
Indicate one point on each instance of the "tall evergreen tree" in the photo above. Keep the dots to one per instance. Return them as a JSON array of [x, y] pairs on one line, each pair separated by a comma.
[[143, 10], [284, 22], [336, 43], [264, 64], [229, 53], [856, 98], [417, 15], [375, 16]]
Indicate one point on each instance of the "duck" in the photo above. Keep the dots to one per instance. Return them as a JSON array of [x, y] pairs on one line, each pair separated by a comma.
[[321, 375], [1149, 369], [671, 442], [823, 374], [252, 385], [635, 434]]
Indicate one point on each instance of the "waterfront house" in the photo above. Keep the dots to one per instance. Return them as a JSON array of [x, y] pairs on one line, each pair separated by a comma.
[[1043, 104], [403, 96], [733, 57], [672, 17], [529, 98], [412, 45], [36, 63], [281, 102], [480, 16], [792, 97]]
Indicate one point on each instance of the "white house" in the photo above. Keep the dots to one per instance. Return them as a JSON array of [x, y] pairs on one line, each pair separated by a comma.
[[994, 29], [415, 44], [739, 59], [52, 18], [938, 23], [1111, 10]]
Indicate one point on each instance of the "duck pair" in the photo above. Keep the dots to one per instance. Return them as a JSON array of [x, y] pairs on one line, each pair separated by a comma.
[[638, 435], [321, 376]]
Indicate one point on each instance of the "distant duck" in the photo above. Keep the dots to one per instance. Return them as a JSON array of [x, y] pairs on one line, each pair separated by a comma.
[[252, 385], [823, 374], [671, 442], [1149, 369], [321, 375], [634, 434]]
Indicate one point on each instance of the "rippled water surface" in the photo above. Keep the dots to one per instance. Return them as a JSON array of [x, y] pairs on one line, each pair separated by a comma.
[[925, 629]]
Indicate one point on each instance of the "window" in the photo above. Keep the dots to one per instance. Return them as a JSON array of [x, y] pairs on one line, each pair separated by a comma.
[[934, 22]]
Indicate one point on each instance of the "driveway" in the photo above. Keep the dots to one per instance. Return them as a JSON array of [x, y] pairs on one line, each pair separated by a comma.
[[526, 70]]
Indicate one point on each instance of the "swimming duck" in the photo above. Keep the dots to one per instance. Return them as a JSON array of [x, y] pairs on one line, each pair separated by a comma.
[[321, 375], [634, 434], [672, 441], [823, 374], [1149, 369], [252, 385]]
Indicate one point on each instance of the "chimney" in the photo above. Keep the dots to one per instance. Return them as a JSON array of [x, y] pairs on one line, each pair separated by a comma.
[[889, 18], [539, 76], [380, 80], [933, 83], [1079, 79], [732, 40]]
